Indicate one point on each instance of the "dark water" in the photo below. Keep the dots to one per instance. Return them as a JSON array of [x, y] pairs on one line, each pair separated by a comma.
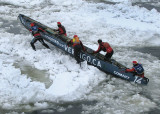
[[148, 5], [33, 73], [74, 108], [101, 1], [154, 51]]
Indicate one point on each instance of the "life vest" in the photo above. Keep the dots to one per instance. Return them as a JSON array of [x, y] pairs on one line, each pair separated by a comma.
[[139, 69], [76, 41], [35, 31], [107, 47]]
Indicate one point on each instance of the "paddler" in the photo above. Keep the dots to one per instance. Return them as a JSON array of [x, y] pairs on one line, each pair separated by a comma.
[[37, 36], [61, 29], [137, 69], [78, 46], [104, 46]]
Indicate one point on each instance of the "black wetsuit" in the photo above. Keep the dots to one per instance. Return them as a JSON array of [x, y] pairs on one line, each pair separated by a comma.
[[37, 37]]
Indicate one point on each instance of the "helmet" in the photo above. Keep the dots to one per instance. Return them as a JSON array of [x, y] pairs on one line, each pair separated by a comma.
[[134, 62], [75, 36], [99, 41], [32, 24], [58, 23]]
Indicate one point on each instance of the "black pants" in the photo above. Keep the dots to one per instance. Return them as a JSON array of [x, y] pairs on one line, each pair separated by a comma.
[[108, 55], [77, 50], [38, 38]]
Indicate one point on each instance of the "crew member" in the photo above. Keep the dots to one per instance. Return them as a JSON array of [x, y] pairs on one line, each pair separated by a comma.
[[104, 46], [78, 46], [37, 36], [137, 69], [61, 29]]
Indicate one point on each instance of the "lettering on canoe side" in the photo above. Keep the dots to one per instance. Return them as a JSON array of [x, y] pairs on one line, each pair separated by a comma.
[[121, 75], [70, 50]]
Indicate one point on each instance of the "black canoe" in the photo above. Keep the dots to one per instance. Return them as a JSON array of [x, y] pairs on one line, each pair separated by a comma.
[[110, 67]]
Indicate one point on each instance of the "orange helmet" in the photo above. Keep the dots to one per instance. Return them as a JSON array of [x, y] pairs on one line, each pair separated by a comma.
[[32, 24], [134, 62]]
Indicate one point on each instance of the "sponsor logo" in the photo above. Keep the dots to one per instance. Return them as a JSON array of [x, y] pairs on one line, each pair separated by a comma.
[[70, 50], [95, 62], [121, 75], [54, 41], [85, 57]]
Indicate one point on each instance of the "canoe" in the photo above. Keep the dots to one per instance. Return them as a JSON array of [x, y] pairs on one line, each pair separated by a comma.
[[60, 41]]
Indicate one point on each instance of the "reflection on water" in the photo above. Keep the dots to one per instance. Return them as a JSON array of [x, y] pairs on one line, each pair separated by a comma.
[[33, 73]]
